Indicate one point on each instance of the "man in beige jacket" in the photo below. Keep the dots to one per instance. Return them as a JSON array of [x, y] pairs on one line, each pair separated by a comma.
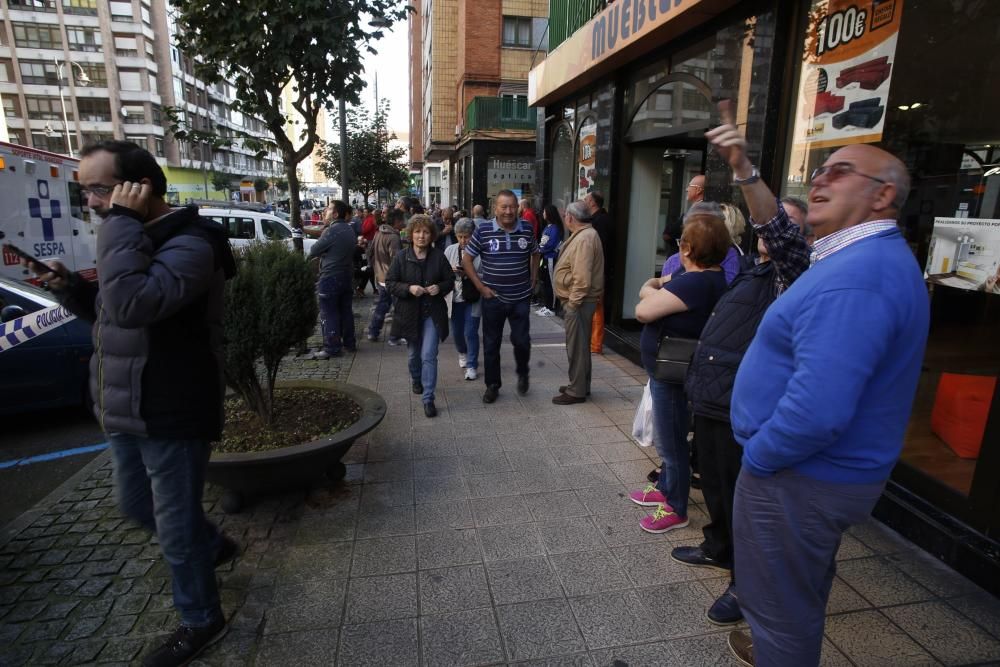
[[579, 283]]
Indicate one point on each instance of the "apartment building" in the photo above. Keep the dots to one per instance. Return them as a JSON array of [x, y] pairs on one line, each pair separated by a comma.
[[475, 133], [73, 72]]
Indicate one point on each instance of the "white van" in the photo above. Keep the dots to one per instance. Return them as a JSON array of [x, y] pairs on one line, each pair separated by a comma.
[[42, 212], [245, 225]]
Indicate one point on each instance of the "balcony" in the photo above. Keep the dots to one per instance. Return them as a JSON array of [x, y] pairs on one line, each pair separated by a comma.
[[499, 113], [568, 16]]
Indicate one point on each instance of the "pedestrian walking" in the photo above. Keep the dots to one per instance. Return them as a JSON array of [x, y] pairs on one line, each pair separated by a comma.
[[384, 247], [157, 370], [465, 315], [335, 250], [419, 278], [509, 271], [823, 396], [579, 284]]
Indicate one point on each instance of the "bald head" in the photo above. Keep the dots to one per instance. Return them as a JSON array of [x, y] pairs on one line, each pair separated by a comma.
[[478, 211], [859, 183], [696, 189]]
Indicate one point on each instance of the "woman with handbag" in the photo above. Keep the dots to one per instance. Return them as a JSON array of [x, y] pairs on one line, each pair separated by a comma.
[[420, 277], [465, 307], [674, 310]]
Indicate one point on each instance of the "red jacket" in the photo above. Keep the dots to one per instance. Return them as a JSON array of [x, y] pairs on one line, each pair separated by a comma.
[[368, 228], [530, 216]]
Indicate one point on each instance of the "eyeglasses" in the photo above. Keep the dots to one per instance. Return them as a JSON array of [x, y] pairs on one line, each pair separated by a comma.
[[838, 170], [97, 190]]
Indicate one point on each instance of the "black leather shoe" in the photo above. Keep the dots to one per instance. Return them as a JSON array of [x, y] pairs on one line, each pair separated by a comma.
[[695, 481], [741, 646], [418, 388], [522, 385], [654, 475], [695, 556], [430, 410], [566, 399], [563, 388], [184, 644], [491, 394], [725, 610]]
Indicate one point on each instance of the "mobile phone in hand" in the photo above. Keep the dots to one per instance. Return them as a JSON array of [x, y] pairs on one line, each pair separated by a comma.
[[10, 247]]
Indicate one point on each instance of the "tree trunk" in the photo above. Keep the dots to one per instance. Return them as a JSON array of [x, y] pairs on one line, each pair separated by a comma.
[[293, 203]]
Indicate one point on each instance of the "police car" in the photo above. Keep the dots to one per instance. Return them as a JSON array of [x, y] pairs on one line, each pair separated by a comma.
[[44, 355]]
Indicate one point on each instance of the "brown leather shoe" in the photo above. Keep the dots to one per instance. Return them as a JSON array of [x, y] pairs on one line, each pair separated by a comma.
[[566, 399], [741, 646], [563, 388]]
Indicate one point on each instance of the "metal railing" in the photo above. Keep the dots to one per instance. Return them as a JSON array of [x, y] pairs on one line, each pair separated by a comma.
[[568, 16], [499, 113]]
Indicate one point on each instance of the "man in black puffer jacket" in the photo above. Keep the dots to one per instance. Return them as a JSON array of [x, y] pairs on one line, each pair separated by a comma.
[[156, 376], [709, 385]]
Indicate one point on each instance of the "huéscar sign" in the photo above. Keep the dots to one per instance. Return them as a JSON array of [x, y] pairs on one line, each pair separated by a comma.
[[623, 26]]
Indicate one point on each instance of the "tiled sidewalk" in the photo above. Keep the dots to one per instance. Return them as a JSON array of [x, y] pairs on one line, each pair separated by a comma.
[[493, 534]]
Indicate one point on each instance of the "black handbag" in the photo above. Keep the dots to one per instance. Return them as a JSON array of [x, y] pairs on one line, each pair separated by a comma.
[[673, 356], [469, 292]]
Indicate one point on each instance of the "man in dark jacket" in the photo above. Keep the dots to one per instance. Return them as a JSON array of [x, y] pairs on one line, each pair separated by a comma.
[[156, 374], [604, 227], [336, 248]]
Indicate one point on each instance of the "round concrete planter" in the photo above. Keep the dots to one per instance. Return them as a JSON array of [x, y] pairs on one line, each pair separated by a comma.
[[252, 474]]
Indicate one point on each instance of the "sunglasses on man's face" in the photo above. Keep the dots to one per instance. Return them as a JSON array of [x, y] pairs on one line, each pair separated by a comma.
[[837, 170]]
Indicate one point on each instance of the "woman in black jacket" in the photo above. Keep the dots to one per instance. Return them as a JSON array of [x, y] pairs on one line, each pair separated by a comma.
[[420, 277]]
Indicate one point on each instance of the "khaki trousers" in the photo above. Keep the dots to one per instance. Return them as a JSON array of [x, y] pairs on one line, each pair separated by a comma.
[[578, 347]]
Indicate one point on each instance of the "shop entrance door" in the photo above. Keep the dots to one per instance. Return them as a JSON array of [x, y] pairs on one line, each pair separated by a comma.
[[658, 196]]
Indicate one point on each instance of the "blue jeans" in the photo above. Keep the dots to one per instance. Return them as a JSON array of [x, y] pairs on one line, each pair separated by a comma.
[[159, 484], [382, 307], [787, 529], [423, 355], [465, 332], [495, 313], [336, 298], [670, 429]]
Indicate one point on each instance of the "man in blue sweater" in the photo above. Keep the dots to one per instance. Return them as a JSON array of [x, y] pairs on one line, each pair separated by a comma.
[[823, 396]]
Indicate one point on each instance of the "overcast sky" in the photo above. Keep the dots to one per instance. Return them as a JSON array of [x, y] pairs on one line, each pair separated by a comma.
[[392, 65]]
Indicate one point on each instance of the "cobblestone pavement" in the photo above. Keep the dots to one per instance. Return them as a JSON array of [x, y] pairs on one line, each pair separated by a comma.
[[494, 534]]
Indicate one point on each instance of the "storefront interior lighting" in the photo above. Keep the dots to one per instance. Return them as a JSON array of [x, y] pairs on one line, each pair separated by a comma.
[[910, 107]]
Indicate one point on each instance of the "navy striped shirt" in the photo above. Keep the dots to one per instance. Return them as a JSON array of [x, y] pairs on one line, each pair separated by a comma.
[[506, 258]]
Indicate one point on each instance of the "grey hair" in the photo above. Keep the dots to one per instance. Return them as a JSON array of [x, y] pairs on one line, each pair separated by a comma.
[[895, 172], [478, 211], [705, 208], [465, 226], [579, 211], [796, 202]]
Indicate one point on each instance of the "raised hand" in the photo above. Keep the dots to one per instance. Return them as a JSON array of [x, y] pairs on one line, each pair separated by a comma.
[[133, 196], [730, 142]]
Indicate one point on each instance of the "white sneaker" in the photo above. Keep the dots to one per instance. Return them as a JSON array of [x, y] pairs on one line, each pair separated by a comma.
[[470, 374], [545, 312], [461, 360]]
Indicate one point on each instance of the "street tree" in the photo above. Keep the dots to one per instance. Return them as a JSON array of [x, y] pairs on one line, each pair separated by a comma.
[[313, 49], [373, 164]]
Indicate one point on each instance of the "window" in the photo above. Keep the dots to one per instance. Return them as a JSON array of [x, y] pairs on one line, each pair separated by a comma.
[[6, 72], [126, 47], [129, 79], [54, 142], [140, 140], [159, 147], [16, 137], [96, 73], [157, 115], [274, 231], [94, 109], [240, 228], [83, 39], [517, 31], [134, 114], [150, 51], [37, 72], [43, 108], [121, 11], [37, 36], [144, 13], [33, 5], [153, 88], [86, 7], [11, 109], [96, 138]]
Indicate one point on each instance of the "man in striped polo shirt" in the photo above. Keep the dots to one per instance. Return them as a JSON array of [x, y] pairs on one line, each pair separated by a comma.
[[506, 279]]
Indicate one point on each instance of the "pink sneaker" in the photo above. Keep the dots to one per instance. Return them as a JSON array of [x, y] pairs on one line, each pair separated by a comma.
[[663, 520], [648, 497]]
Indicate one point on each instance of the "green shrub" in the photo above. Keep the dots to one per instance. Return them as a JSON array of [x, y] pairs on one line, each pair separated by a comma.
[[270, 308]]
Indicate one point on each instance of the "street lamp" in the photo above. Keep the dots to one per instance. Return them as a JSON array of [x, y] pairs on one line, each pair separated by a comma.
[[83, 80]]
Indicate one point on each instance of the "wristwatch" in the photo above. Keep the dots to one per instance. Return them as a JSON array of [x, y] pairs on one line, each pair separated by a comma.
[[752, 178]]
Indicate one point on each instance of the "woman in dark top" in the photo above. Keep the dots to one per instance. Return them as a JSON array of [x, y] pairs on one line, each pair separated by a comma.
[[548, 248], [677, 306], [420, 277]]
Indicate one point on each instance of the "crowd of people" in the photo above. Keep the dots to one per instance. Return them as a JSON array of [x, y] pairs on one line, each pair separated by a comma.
[[794, 365]]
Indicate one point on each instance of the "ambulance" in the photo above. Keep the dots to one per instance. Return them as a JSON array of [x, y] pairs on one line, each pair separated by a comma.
[[42, 211]]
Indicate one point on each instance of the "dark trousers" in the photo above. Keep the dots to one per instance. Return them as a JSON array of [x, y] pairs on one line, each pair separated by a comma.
[[336, 312], [495, 314], [382, 307], [545, 275], [786, 532], [720, 456]]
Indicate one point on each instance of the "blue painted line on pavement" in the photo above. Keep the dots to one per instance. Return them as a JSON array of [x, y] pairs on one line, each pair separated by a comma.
[[52, 456]]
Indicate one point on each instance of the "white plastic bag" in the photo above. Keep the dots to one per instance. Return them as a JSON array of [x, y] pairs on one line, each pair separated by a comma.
[[642, 425]]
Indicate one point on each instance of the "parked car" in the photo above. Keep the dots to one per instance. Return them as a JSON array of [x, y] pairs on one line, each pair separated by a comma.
[[244, 226], [49, 370]]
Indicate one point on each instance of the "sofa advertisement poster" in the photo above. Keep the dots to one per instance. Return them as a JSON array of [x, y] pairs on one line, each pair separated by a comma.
[[965, 253], [847, 68]]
